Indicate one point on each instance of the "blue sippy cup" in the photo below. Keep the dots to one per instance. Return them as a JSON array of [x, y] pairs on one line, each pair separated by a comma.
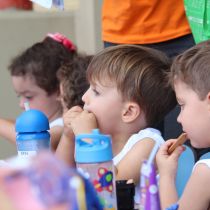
[[93, 155], [32, 133]]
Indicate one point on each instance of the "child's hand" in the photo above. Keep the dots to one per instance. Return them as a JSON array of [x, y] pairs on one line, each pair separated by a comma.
[[70, 115], [80, 121], [167, 163]]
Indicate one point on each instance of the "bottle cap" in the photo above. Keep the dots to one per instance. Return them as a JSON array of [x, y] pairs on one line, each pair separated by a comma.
[[32, 121], [99, 149]]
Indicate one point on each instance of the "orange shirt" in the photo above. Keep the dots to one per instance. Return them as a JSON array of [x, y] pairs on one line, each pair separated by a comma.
[[143, 21]]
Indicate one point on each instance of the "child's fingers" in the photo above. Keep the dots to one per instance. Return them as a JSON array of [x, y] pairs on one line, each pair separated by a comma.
[[177, 152], [72, 113], [180, 140], [76, 109], [86, 111], [164, 148]]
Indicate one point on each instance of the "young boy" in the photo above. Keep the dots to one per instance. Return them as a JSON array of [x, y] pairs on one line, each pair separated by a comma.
[[128, 95], [190, 78]]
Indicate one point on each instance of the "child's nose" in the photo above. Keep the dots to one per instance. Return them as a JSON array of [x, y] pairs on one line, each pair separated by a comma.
[[85, 97], [179, 118]]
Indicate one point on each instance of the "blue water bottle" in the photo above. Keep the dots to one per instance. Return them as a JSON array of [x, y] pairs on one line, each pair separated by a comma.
[[32, 133], [93, 155]]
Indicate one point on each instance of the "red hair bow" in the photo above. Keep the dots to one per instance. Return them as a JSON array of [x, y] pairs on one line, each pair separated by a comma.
[[63, 40]]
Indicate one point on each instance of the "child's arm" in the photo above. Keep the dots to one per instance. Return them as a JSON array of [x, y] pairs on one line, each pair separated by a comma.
[[7, 130], [196, 195], [55, 136], [129, 167], [66, 146], [65, 149], [167, 168]]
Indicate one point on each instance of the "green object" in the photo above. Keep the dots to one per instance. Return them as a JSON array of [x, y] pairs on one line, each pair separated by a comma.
[[198, 14]]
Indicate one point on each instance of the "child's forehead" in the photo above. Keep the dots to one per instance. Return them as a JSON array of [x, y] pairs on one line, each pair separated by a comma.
[[182, 87], [102, 81], [27, 78], [21, 83]]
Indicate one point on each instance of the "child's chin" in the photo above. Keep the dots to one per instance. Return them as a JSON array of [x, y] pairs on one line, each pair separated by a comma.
[[195, 145]]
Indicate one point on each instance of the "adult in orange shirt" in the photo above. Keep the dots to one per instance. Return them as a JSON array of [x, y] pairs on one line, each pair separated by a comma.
[[158, 24]]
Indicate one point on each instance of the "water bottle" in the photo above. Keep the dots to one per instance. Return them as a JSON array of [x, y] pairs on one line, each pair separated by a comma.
[[93, 155], [32, 133]]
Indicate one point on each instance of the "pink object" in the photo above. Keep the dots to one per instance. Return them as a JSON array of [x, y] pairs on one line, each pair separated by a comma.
[[45, 184], [63, 40]]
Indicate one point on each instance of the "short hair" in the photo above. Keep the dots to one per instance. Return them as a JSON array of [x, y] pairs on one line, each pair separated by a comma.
[[193, 68], [72, 77], [140, 75], [41, 61]]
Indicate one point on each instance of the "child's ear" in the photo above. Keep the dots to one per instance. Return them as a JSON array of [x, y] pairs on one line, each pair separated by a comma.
[[208, 100], [130, 112]]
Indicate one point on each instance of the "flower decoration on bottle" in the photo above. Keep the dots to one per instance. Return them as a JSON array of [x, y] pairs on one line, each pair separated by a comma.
[[63, 40]]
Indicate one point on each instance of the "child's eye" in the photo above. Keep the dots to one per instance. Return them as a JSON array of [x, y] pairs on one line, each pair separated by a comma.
[[28, 97], [181, 105], [24, 97], [95, 92]]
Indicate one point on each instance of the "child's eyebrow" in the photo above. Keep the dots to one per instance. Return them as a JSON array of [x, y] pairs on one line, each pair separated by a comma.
[[24, 92]]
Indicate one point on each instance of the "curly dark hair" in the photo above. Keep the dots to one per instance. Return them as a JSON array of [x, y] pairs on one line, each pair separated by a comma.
[[41, 61], [72, 76]]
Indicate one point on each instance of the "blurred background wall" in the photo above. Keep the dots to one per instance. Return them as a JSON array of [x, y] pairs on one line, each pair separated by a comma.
[[19, 29]]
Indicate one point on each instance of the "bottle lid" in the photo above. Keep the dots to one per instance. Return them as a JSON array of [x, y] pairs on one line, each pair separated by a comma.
[[93, 148], [31, 121]]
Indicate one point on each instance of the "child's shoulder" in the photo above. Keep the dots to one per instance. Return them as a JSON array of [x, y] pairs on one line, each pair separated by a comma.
[[201, 175], [135, 142], [201, 172], [57, 122], [148, 133], [205, 162]]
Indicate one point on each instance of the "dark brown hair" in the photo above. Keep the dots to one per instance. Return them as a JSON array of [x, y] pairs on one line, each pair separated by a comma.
[[140, 76], [41, 61], [72, 76], [193, 68]]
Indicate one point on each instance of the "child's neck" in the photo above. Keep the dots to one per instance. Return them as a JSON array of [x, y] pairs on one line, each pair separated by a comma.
[[118, 142], [120, 138], [56, 114]]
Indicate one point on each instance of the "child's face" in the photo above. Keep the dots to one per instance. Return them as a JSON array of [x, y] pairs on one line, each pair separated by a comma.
[[106, 104], [194, 115], [27, 90]]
